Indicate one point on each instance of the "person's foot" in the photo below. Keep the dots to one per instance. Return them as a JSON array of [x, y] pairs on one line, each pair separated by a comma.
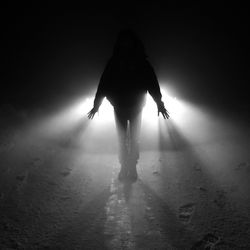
[[132, 174], [123, 173]]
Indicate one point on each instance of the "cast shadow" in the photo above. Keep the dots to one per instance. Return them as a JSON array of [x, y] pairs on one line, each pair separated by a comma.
[[86, 229], [176, 233]]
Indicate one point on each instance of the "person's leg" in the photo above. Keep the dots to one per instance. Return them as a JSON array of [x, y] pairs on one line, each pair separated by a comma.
[[134, 129], [121, 127]]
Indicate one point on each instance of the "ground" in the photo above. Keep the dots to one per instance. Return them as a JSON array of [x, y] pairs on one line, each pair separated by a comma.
[[58, 195]]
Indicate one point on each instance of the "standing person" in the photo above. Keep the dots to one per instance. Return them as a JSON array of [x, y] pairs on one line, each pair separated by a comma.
[[125, 81]]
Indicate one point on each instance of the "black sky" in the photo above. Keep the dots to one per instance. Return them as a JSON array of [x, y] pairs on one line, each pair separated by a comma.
[[51, 52]]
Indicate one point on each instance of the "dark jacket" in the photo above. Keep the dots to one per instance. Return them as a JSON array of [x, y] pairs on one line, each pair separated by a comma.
[[125, 83]]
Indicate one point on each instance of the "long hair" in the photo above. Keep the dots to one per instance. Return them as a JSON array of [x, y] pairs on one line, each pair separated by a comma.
[[138, 49]]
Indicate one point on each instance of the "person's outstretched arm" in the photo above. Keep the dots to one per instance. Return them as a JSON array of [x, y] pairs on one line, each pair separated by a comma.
[[100, 93], [154, 90]]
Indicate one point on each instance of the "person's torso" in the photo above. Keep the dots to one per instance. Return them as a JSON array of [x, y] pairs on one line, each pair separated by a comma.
[[127, 83]]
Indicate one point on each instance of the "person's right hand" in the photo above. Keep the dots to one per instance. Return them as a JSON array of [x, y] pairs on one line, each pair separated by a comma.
[[92, 112]]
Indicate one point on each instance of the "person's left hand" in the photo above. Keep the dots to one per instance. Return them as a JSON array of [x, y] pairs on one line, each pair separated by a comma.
[[163, 111], [92, 112]]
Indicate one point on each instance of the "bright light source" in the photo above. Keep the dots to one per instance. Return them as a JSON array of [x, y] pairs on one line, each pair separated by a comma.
[[174, 107], [105, 113], [76, 113], [150, 112]]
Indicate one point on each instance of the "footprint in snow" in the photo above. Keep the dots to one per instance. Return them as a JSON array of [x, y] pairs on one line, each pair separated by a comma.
[[208, 242], [66, 172], [185, 212]]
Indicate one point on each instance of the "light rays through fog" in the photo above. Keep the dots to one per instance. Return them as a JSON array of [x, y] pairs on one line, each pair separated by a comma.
[[195, 125], [100, 133], [105, 114]]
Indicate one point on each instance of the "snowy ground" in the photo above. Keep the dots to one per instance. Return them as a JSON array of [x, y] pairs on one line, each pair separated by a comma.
[[57, 195]]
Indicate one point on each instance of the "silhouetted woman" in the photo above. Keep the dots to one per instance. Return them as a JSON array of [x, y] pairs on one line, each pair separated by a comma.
[[125, 81]]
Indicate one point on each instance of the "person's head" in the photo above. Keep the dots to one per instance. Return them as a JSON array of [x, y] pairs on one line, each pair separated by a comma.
[[128, 43]]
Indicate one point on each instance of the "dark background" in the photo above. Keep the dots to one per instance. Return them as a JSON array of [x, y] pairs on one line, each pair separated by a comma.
[[55, 52]]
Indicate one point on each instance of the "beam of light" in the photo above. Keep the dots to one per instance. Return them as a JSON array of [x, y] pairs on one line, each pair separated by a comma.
[[96, 132], [173, 105], [60, 121]]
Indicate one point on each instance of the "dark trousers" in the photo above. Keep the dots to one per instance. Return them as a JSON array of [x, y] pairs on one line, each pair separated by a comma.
[[128, 124]]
